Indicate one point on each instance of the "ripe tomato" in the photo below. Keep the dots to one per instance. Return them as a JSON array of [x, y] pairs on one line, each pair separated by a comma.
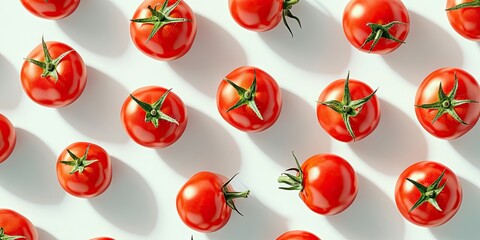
[[163, 29], [102, 238], [348, 110], [447, 103], [84, 170], [379, 26], [249, 99], [428, 194], [206, 200], [327, 183], [8, 138], [298, 235], [13, 225], [51, 9], [53, 74], [263, 15], [464, 16], [154, 117]]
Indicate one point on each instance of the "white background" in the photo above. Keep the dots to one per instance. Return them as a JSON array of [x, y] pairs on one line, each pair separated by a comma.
[[140, 202]]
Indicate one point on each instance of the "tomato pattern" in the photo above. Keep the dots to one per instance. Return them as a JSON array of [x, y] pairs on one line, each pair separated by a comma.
[[374, 31]]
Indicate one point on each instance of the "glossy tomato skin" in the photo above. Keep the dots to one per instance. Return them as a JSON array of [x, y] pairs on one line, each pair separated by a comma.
[[145, 133], [15, 224], [96, 177], [465, 21], [268, 100], [358, 13], [298, 235], [172, 41], [8, 138], [256, 15], [72, 77], [425, 173], [51, 9], [201, 203], [332, 122], [329, 184], [102, 238], [446, 127]]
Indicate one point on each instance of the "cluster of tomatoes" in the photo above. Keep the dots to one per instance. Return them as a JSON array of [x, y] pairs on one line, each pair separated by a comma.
[[427, 193]]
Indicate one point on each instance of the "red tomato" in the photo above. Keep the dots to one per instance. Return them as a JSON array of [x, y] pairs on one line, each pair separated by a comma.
[[249, 99], [206, 200], [327, 183], [348, 110], [51, 9], [154, 117], [262, 15], [464, 16], [53, 74], [298, 235], [445, 109], [8, 138], [428, 194], [379, 26], [84, 170], [102, 238], [13, 224], [162, 29]]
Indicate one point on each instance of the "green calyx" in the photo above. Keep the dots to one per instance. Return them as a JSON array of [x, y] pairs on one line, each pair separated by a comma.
[[348, 108], [230, 196], [247, 96], [153, 112], [294, 182], [447, 103], [472, 4], [287, 6], [49, 66], [161, 17], [430, 193], [381, 31], [78, 164], [4, 236]]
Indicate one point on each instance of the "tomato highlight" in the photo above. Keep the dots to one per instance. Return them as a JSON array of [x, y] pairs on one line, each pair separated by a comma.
[[379, 26], [165, 31], [464, 17], [205, 201], [428, 194], [348, 110], [327, 183], [53, 75], [447, 103]]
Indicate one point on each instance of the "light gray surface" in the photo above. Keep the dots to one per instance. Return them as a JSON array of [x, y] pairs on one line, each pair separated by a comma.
[[140, 203]]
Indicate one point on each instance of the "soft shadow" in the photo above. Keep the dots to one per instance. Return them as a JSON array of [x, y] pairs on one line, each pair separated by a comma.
[[97, 114], [395, 144], [205, 144], [371, 216], [258, 222], [44, 235], [30, 171], [297, 129], [464, 225], [99, 27], [9, 85], [320, 46], [203, 66], [428, 46], [467, 145], [129, 202]]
